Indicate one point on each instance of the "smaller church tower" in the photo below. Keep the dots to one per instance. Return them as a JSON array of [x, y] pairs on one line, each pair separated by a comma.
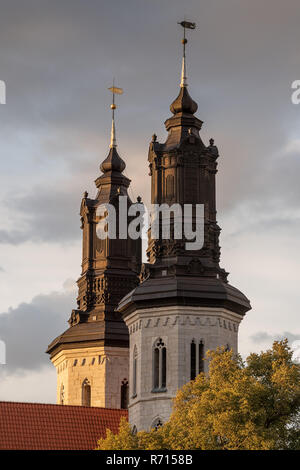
[[91, 356], [184, 304]]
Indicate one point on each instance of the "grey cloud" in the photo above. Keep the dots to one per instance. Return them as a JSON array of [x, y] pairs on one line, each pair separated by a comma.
[[14, 237], [263, 337], [45, 215], [29, 328], [60, 56], [264, 222]]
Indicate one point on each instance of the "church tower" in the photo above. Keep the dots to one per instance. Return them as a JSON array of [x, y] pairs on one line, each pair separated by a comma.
[[91, 356], [184, 304]]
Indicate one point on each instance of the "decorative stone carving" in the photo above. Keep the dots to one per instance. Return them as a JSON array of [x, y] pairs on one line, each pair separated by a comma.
[[76, 317], [195, 266]]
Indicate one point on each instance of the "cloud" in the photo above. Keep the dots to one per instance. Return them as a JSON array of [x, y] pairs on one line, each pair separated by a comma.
[[293, 147], [59, 63], [262, 337], [50, 213], [29, 328], [45, 214]]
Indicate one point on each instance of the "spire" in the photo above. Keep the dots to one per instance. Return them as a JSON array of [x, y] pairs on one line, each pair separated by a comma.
[[183, 82], [118, 91], [113, 161], [184, 103], [183, 124], [113, 140], [189, 25]]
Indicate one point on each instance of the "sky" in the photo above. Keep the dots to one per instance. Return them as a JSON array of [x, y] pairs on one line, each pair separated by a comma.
[[58, 59]]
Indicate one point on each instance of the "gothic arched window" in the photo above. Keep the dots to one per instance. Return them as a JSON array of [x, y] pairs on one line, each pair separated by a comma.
[[159, 366], [134, 430], [157, 423], [134, 371], [62, 394], [197, 358], [86, 393], [124, 394]]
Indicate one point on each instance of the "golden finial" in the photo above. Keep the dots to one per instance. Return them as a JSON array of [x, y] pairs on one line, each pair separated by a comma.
[[189, 25], [115, 91]]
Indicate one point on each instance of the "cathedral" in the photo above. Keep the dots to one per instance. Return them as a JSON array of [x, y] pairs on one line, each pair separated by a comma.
[[141, 331]]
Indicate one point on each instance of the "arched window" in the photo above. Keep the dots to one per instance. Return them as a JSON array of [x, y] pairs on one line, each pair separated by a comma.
[[193, 360], [159, 366], [124, 394], [134, 371], [134, 430], [86, 393], [157, 423], [62, 394], [196, 358]]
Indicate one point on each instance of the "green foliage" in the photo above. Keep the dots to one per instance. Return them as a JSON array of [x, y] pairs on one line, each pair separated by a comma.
[[253, 405]]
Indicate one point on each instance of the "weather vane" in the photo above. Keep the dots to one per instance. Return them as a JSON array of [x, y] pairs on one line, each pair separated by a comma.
[[115, 91], [185, 25]]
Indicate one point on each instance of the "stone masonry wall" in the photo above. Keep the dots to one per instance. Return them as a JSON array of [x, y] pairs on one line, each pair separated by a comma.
[[103, 367], [177, 327]]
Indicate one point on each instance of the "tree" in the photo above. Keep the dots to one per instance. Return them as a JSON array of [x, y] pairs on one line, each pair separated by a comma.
[[253, 405]]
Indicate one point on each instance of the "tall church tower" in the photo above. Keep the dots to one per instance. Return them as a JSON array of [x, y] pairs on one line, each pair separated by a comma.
[[184, 304], [91, 356]]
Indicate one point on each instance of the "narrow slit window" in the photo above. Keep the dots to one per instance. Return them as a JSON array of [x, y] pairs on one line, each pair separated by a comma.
[[86, 393], [156, 368], [201, 356], [159, 366], [193, 360], [134, 367], [124, 394], [164, 368]]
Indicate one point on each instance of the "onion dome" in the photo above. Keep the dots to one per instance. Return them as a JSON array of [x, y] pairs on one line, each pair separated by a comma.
[[113, 162], [184, 103]]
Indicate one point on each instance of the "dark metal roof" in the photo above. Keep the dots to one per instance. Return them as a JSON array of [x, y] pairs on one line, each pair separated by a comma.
[[89, 334], [193, 291]]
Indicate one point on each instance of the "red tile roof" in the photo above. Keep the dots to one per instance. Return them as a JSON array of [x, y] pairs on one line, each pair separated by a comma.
[[35, 426]]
